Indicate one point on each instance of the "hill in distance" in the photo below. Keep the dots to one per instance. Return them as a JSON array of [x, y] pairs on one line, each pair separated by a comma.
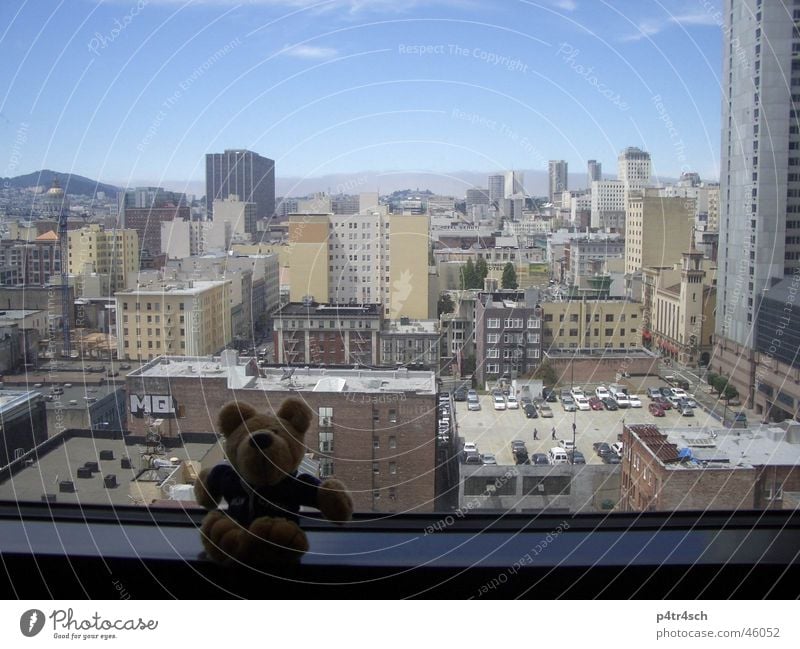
[[71, 183]]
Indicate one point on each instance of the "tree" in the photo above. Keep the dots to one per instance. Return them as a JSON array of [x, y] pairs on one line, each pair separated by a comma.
[[445, 304], [546, 374], [509, 276], [481, 271], [729, 392], [711, 378], [719, 384], [468, 276]]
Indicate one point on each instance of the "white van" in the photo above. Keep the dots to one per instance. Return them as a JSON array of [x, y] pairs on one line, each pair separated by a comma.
[[558, 456], [620, 395]]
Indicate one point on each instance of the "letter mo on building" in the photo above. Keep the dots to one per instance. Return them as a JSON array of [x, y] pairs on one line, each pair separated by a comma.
[[150, 404]]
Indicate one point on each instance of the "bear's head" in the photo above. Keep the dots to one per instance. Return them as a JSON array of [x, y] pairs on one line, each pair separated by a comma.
[[265, 448]]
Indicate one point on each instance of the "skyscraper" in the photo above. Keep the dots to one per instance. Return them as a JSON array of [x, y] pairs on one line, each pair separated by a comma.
[[594, 170], [515, 183], [634, 168], [248, 175], [497, 188], [558, 178], [759, 220]]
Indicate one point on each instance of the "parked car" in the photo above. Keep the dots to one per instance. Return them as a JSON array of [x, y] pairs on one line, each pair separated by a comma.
[[576, 457], [617, 448], [610, 404], [524, 401], [539, 458], [666, 392], [549, 395], [488, 459], [518, 444], [601, 392], [545, 410], [499, 402], [460, 394], [595, 403], [472, 458], [611, 458], [652, 393], [568, 404], [512, 403], [565, 392], [663, 402], [521, 457], [473, 405], [655, 409], [602, 449], [690, 400], [679, 392], [576, 392], [674, 401], [530, 411], [621, 399], [567, 444], [634, 401], [582, 403], [687, 411], [472, 394], [470, 447]]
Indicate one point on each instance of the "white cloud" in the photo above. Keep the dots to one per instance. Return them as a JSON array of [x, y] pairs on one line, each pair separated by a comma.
[[310, 52], [651, 27], [566, 5]]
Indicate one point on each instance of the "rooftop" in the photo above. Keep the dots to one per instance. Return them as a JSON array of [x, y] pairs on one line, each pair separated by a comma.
[[193, 287], [684, 448], [61, 463], [18, 314], [317, 309], [411, 327], [244, 373]]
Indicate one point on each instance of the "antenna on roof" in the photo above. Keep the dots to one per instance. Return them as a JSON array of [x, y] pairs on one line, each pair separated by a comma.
[[288, 372]]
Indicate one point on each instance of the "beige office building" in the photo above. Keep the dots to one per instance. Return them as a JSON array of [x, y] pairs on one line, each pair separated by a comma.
[[191, 318], [657, 230], [110, 254], [591, 324]]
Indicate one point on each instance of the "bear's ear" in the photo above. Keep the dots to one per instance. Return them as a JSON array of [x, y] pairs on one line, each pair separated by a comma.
[[232, 415], [297, 413]]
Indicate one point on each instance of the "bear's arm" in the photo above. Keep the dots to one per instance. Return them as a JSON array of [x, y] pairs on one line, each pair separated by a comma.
[[223, 482]]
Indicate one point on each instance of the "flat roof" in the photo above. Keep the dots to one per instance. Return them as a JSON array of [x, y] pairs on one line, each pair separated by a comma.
[[11, 398], [173, 288], [730, 448], [61, 463], [318, 379], [316, 309], [413, 327], [636, 352], [14, 314]]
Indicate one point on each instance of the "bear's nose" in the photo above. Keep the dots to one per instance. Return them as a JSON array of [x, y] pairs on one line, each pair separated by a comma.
[[261, 440]]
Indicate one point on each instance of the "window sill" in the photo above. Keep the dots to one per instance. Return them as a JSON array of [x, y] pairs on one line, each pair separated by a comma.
[[157, 553]]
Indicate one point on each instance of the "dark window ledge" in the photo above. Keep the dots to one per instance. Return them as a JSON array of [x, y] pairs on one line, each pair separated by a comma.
[[70, 552]]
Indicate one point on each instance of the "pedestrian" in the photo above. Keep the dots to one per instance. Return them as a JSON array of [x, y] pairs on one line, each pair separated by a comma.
[[554, 432], [535, 434]]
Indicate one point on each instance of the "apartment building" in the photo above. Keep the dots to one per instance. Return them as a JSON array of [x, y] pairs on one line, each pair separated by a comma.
[[658, 229], [587, 323], [508, 334], [310, 333], [370, 258], [33, 262], [111, 254], [608, 205], [410, 342], [192, 317], [373, 429]]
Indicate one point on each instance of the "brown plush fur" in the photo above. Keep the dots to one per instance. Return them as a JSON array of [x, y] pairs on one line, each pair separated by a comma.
[[266, 539]]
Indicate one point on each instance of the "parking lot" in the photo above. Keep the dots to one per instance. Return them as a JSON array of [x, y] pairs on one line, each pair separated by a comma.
[[493, 430]]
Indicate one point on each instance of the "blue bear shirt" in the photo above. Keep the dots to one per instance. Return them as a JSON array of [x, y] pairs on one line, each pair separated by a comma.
[[246, 503]]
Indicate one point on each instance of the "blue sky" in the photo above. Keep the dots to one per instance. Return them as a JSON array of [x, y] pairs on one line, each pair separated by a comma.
[[124, 90]]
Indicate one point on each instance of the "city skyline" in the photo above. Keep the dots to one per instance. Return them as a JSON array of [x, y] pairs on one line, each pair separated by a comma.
[[339, 87]]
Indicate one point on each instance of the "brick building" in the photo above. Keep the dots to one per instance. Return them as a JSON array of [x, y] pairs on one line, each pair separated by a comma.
[[308, 333], [710, 468], [508, 334], [147, 223], [373, 429]]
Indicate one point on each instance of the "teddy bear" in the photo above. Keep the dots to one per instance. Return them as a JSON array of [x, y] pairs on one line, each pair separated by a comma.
[[262, 487]]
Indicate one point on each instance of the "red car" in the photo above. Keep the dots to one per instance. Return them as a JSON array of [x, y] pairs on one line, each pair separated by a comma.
[[656, 410], [663, 403], [595, 403]]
